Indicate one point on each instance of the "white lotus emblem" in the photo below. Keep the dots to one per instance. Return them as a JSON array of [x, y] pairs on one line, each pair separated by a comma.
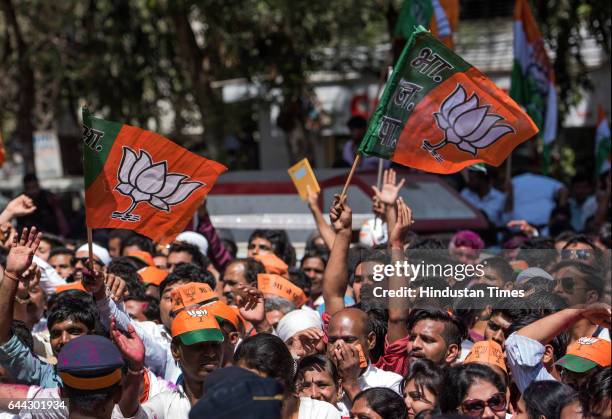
[[145, 181], [466, 124]]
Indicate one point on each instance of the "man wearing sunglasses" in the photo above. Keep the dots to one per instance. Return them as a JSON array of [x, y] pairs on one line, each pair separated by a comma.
[[101, 258], [577, 282]]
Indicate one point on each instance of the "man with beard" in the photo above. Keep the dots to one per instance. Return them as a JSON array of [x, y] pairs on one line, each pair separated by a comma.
[[197, 348]]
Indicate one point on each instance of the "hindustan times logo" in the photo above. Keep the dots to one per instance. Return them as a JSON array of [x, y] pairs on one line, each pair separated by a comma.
[[420, 270]]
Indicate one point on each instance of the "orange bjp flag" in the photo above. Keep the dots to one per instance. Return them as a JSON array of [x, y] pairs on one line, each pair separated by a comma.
[[139, 180]]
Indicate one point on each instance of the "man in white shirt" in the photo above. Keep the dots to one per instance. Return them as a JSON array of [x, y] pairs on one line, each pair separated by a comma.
[[480, 193], [350, 340]]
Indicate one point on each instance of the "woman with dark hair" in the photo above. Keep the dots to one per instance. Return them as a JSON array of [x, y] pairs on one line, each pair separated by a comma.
[[378, 403], [317, 378], [421, 387], [271, 241], [474, 390], [597, 393], [544, 400], [267, 356]]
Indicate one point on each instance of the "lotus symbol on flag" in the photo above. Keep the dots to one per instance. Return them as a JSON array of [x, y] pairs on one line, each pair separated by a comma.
[[466, 124], [144, 181]]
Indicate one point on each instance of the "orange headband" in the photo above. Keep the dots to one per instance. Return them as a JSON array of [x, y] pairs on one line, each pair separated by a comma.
[[279, 286]]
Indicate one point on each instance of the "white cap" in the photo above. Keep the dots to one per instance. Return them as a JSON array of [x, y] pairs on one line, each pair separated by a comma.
[[98, 251], [529, 273], [297, 320], [194, 238]]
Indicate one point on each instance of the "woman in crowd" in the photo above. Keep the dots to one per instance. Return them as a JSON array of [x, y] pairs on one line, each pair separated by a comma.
[[378, 403], [317, 378], [474, 390], [421, 387], [546, 400]]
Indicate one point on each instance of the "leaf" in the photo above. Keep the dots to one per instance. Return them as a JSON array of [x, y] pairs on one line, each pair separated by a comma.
[[152, 179], [172, 182], [127, 161], [493, 135], [183, 192], [142, 163], [159, 203], [125, 189]]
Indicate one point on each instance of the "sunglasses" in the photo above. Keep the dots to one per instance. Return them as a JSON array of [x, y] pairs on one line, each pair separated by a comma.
[[85, 260], [581, 254], [568, 284], [475, 408]]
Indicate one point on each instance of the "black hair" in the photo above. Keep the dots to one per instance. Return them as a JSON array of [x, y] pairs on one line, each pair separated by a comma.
[[547, 398], [501, 266], [230, 246], [591, 275], [126, 271], [268, 354], [597, 391], [315, 254], [70, 307], [454, 331], [299, 279], [196, 256], [538, 252], [468, 308], [317, 361], [458, 380], [357, 122], [564, 236], [142, 242], [511, 308], [188, 272], [89, 401], [30, 177], [19, 329], [62, 251], [252, 268], [385, 402], [425, 375], [537, 284], [119, 233], [152, 310], [281, 246]]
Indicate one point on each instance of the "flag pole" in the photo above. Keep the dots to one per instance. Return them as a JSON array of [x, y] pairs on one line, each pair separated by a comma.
[[90, 247], [350, 175]]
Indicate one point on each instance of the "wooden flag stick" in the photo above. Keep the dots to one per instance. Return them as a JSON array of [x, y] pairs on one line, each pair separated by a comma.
[[350, 175], [509, 167], [90, 247]]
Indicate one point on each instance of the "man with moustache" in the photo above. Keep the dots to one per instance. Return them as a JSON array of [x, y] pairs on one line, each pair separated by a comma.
[[197, 348]]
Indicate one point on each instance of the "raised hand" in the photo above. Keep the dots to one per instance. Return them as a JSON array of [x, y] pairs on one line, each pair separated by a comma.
[[130, 345], [20, 206], [403, 224], [21, 251], [346, 359], [599, 314], [116, 285], [524, 226], [251, 303], [390, 187], [313, 198], [340, 214]]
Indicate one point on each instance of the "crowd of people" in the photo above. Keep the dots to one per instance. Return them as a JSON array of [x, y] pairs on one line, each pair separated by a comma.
[[128, 328]]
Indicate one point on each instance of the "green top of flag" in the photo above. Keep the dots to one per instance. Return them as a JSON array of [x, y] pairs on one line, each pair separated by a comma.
[[98, 138]]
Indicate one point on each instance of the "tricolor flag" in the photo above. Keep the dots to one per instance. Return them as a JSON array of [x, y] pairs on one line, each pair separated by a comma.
[[602, 143], [440, 114], [141, 181], [533, 76], [441, 17]]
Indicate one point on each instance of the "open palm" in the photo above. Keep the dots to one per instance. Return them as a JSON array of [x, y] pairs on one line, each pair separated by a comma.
[[22, 251], [390, 187]]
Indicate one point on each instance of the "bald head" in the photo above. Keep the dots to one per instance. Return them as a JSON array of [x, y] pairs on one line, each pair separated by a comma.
[[352, 326]]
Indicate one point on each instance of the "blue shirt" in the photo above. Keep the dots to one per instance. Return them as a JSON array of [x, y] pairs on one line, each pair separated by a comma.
[[25, 367]]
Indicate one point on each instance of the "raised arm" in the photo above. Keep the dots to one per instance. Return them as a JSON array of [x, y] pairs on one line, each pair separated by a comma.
[[18, 207], [545, 329], [324, 229], [219, 255], [132, 349], [335, 278], [398, 307], [19, 267]]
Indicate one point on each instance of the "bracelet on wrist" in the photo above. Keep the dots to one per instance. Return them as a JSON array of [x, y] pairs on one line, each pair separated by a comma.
[[130, 371]]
